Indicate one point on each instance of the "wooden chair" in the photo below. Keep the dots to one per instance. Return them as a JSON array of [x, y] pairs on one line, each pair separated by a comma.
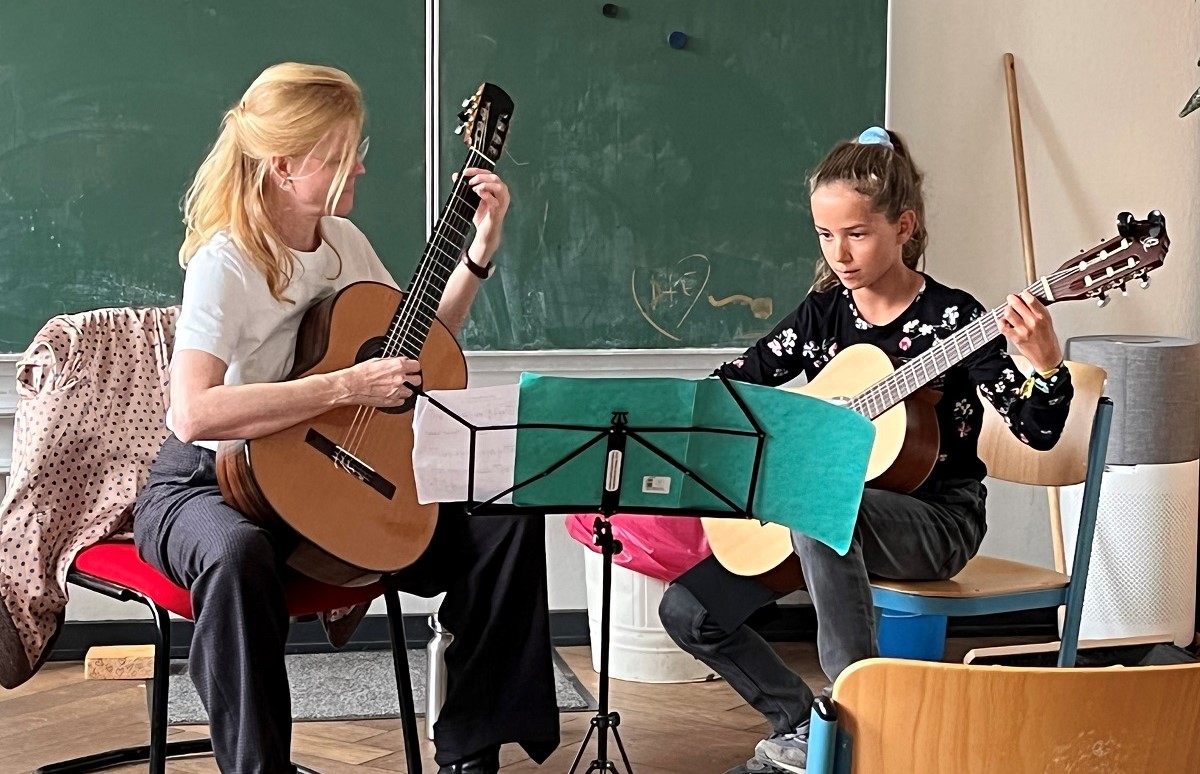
[[992, 585], [890, 716]]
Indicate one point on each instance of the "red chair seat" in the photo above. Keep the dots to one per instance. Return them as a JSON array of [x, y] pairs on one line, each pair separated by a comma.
[[117, 562]]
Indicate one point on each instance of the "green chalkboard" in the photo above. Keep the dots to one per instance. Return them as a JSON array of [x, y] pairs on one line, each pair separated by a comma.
[[107, 108], [647, 179]]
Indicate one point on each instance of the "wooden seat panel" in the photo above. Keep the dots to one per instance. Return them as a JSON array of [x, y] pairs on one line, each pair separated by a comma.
[[984, 576]]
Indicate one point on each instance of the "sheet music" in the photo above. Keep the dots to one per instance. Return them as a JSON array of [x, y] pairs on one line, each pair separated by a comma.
[[441, 452]]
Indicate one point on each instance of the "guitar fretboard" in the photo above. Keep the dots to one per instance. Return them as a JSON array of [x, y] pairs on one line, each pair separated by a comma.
[[410, 327], [935, 361]]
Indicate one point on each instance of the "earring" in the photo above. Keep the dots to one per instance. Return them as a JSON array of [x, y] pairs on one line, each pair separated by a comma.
[[286, 184]]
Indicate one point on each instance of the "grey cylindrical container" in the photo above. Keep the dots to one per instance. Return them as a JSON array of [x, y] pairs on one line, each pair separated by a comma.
[[1153, 382], [435, 672]]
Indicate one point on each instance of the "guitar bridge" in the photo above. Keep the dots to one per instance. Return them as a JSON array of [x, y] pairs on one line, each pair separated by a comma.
[[351, 464]]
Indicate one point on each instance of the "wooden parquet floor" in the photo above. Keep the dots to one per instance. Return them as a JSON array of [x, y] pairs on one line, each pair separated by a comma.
[[693, 727]]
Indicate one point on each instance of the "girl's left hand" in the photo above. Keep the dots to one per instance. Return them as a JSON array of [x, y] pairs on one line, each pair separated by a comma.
[[489, 217], [1027, 324]]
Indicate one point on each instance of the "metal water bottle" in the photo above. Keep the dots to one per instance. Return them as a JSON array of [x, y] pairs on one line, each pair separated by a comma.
[[435, 672]]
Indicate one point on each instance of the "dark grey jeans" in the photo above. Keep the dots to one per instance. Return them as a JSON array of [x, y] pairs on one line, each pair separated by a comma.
[[926, 536]]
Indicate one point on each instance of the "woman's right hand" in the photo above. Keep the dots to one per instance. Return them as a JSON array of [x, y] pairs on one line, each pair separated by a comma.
[[379, 381]]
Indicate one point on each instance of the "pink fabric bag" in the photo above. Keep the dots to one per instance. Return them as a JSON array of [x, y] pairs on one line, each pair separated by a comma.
[[662, 547]]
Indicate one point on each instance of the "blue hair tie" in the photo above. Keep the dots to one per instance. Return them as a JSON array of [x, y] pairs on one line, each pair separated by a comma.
[[876, 136]]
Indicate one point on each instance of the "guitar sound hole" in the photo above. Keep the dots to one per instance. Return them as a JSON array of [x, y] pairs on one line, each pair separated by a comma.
[[374, 348]]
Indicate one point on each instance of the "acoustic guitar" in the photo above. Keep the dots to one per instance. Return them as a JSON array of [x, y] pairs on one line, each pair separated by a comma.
[[341, 484], [897, 401]]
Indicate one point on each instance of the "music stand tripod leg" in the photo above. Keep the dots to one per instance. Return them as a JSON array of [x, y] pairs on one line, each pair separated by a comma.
[[604, 720]]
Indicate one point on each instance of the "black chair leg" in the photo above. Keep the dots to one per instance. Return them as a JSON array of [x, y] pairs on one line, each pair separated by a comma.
[[158, 691], [157, 752], [122, 756], [408, 717]]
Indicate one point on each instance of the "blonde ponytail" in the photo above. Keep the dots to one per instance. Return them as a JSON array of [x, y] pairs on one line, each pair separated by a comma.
[[287, 111]]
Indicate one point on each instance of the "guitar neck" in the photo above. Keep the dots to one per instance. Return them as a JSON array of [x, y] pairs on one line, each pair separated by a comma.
[[410, 327], [935, 361]]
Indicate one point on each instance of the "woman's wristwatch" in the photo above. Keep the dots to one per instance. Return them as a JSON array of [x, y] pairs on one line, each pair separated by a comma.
[[482, 272]]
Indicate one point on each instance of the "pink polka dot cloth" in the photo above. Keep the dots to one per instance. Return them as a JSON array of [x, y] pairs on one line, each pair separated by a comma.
[[93, 394]]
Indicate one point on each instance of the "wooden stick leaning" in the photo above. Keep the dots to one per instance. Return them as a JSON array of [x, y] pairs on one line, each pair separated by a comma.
[[1014, 125]]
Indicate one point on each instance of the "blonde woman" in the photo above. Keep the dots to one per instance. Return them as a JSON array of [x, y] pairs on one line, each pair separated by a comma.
[[267, 236]]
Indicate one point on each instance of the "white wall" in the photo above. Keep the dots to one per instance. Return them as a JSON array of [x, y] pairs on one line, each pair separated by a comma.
[[1101, 84]]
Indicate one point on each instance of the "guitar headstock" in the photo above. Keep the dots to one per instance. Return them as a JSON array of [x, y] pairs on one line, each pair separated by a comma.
[[1140, 248], [485, 119]]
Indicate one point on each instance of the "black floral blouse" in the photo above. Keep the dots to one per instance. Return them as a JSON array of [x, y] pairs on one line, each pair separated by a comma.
[[828, 321]]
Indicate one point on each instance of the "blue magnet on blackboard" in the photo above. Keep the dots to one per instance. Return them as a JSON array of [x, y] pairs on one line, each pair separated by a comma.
[[677, 39]]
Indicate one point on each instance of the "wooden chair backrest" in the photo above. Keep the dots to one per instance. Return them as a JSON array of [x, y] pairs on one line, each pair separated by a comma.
[[912, 716], [1009, 459]]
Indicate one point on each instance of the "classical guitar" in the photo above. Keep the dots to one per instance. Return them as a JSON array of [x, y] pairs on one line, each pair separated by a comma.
[[896, 400], [342, 483]]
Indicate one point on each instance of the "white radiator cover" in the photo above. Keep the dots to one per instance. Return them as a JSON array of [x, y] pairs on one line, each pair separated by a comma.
[[1142, 580]]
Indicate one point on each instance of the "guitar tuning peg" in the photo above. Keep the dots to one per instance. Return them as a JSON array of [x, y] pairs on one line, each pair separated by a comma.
[[466, 102], [1157, 222], [458, 129], [1145, 283], [1125, 224], [1102, 300], [1124, 292]]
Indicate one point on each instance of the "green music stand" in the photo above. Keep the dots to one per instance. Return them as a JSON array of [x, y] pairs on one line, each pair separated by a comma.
[[720, 448]]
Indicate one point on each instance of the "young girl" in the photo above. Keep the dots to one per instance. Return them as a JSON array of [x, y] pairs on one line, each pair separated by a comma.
[[869, 215], [266, 238]]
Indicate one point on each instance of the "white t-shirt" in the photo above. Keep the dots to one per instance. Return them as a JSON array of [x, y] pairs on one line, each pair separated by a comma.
[[228, 311]]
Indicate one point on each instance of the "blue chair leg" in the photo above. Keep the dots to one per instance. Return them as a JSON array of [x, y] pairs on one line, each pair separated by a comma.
[[822, 736], [1088, 514], [1068, 647]]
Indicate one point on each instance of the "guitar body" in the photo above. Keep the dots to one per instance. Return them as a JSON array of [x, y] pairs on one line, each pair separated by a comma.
[[904, 452], [906, 435], [348, 530]]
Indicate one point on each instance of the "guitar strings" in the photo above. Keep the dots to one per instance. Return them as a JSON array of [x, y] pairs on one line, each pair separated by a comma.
[[872, 403], [410, 313], [401, 324], [437, 267], [893, 388]]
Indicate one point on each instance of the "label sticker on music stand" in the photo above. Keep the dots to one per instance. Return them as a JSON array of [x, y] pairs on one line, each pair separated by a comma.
[[656, 485]]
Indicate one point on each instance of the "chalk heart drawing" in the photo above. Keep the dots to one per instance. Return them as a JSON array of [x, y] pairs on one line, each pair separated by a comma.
[[665, 296]]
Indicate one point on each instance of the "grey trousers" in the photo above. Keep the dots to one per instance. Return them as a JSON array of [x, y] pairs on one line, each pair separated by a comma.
[[927, 536], [500, 685]]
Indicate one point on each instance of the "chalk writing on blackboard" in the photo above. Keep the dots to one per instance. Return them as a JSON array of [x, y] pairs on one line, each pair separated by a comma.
[[761, 308], [665, 296]]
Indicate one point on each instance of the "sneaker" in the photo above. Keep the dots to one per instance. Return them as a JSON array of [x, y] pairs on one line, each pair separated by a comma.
[[755, 766], [787, 752]]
